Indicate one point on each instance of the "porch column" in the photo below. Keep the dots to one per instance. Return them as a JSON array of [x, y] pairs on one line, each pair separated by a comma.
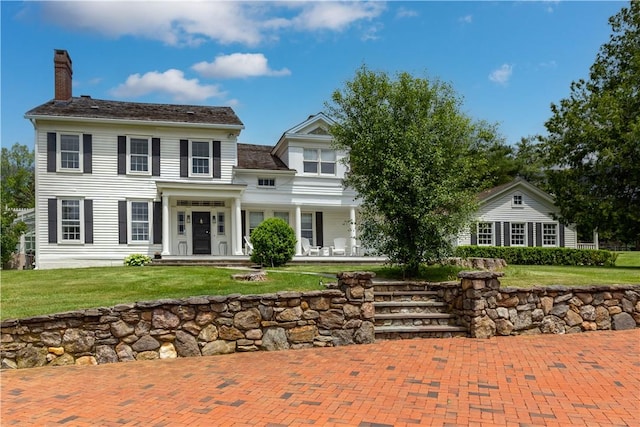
[[165, 226], [236, 240], [298, 227], [352, 231], [595, 239]]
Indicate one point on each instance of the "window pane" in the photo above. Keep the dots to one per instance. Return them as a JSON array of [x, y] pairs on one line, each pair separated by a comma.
[[328, 168], [310, 167], [181, 226], [310, 154], [139, 211], [200, 149], [549, 235], [70, 143], [139, 146], [517, 235], [282, 215], [306, 227], [255, 218], [328, 156], [221, 224]]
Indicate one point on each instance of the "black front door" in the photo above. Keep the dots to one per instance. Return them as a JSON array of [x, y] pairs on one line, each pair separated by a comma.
[[201, 233]]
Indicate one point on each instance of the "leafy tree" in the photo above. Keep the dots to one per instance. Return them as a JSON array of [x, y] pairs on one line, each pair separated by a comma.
[[528, 159], [410, 154], [274, 243], [18, 177], [593, 142], [17, 191]]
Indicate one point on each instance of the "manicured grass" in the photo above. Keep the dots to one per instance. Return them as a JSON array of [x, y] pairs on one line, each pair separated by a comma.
[[35, 292], [628, 259]]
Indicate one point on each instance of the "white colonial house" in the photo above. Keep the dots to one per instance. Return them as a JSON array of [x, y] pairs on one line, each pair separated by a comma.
[[116, 178], [518, 214]]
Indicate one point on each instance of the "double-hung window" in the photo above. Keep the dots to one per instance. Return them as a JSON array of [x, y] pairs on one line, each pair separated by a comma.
[[139, 221], [255, 218], [70, 221], [485, 234], [319, 161], [549, 234], [139, 154], [518, 234], [282, 215], [70, 152], [306, 226], [201, 158]]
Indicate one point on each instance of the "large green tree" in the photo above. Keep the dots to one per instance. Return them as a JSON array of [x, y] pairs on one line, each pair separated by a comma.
[[17, 184], [411, 161], [593, 141]]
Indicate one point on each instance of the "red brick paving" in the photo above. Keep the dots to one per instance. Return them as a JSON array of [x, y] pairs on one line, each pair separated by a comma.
[[589, 379]]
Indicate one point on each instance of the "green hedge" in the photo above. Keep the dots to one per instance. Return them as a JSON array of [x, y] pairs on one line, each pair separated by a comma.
[[539, 256]]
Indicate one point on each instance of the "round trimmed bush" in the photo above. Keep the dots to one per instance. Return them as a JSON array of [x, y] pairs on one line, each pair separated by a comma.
[[274, 243]]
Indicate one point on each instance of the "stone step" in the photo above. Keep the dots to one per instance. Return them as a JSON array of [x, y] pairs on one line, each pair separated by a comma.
[[418, 329], [419, 315], [396, 304], [405, 292]]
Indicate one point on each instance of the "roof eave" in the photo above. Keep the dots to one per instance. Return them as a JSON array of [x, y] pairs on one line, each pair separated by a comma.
[[33, 117]]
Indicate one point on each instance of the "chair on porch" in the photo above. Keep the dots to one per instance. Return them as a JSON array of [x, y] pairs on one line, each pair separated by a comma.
[[307, 249], [248, 247], [339, 246]]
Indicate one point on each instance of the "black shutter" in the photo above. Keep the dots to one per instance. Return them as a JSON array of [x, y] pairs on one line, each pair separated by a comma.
[[157, 222], [51, 151], [507, 233], [52, 220], [561, 228], [498, 233], [243, 220], [538, 234], [474, 236], [155, 156], [530, 233], [319, 230], [88, 221], [184, 158], [122, 155], [122, 221], [87, 150], [216, 159]]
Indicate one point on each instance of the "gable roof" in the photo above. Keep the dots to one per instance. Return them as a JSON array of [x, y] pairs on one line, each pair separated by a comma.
[[85, 107], [517, 183], [252, 156]]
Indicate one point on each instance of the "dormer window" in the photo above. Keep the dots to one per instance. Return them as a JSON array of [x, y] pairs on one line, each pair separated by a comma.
[[318, 161]]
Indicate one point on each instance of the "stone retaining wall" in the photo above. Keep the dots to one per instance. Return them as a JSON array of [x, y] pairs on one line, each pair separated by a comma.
[[197, 326], [488, 310]]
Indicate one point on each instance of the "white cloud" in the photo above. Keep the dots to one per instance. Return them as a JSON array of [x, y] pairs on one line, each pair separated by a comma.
[[191, 22], [467, 19], [238, 65], [171, 82], [403, 12], [335, 16], [502, 74]]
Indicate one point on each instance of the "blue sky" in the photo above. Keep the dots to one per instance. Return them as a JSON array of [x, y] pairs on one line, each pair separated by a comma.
[[276, 63]]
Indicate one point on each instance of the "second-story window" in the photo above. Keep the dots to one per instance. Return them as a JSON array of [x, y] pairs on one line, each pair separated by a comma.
[[200, 158], [70, 152], [139, 152], [319, 161], [267, 182]]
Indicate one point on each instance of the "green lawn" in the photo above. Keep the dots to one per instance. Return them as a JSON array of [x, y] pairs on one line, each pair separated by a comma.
[[33, 292]]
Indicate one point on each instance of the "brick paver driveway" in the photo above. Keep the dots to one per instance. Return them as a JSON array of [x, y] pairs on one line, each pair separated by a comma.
[[589, 379]]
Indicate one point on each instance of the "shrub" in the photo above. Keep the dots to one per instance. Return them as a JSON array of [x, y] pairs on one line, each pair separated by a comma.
[[539, 256], [136, 260], [274, 243]]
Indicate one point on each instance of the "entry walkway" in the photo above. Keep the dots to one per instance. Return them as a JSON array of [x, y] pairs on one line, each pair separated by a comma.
[[589, 379]]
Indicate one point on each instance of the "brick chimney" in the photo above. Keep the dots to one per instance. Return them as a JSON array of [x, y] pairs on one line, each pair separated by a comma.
[[63, 73]]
